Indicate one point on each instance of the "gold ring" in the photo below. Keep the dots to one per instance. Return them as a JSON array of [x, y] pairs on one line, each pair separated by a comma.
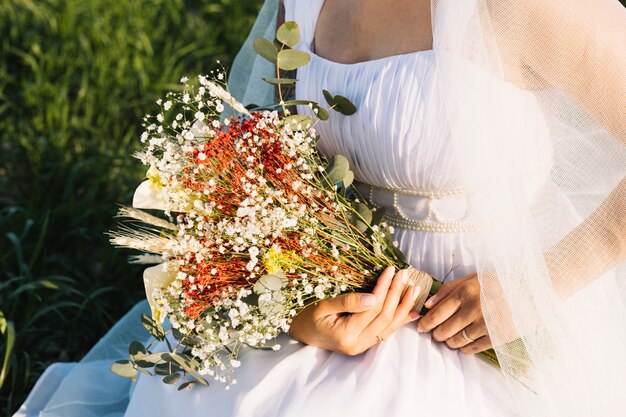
[[380, 339], [466, 337]]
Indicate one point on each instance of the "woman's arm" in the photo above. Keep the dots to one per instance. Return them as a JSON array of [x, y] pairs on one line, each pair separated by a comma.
[[592, 248], [578, 47]]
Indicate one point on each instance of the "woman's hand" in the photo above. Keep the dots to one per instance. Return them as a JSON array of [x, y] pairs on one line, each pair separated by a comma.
[[353, 323], [454, 309]]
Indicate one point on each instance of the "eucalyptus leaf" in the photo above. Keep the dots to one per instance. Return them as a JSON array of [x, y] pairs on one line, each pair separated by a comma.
[[166, 368], [361, 217], [252, 299], [268, 283], [266, 49], [377, 216], [136, 350], [330, 99], [288, 33], [153, 327], [337, 168], [299, 103], [186, 385], [344, 106], [189, 365], [298, 119], [321, 112], [145, 372], [363, 211], [124, 368], [171, 379], [281, 81], [348, 179], [272, 306], [149, 360], [291, 59]]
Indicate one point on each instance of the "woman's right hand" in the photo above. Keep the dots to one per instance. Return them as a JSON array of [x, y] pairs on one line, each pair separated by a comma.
[[353, 323]]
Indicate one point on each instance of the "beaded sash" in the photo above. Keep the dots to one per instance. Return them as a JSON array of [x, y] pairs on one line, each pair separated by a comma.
[[430, 218]]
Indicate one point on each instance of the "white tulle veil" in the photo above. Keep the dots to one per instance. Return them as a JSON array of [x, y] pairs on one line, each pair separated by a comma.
[[534, 92]]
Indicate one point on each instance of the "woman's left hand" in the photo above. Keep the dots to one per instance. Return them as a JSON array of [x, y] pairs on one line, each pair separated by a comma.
[[455, 308]]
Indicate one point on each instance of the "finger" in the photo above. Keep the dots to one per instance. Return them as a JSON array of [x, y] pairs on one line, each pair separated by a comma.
[[455, 324], [474, 331], [388, 312], [477, 346], [440, 313], [363, 319], [404, 314], [444, 291], [347, 303]]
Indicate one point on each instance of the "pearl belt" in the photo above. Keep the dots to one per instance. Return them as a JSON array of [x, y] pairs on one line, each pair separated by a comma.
[[430, 221]]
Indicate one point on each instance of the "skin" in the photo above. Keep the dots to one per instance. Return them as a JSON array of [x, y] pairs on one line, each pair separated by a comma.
[[353, 323], [540, 50]]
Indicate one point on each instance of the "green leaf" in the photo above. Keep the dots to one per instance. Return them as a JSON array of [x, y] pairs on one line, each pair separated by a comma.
[[153, 327], [186, 385], [188, 364], [361, 217], [377, 216], [291, 59], [299, 119], [299, 102], [150, 360], [136, 350], [145, 372], [171, 379], [9, 331], [338, 168], [281, 81], [288, 33], [321, 112], [266, 49], [166, 368], [268, 283], [3, 323], [124, 368], [252, 299], [330, 99], [344, 106], [348, 179]]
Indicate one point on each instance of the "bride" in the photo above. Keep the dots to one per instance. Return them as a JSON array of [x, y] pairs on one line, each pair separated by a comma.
[[493, 131]]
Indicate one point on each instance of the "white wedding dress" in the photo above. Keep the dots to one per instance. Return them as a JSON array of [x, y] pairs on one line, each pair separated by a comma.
[[397, 145]]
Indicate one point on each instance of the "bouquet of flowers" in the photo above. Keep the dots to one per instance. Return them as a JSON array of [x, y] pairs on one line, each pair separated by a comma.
[[257, 224]]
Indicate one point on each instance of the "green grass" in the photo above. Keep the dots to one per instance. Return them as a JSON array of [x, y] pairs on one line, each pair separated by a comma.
[[76, 77]]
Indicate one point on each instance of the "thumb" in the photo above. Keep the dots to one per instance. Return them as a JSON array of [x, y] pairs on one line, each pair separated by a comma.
[[348, 303]]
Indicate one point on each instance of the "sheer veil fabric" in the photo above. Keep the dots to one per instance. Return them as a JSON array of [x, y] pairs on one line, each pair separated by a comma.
[[546, 80]]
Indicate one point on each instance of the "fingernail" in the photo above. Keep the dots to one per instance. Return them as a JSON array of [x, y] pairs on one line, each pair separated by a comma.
[[430, 302], [368, 300], [404, 276], [414, 315], [392, 272], [416, 292]]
